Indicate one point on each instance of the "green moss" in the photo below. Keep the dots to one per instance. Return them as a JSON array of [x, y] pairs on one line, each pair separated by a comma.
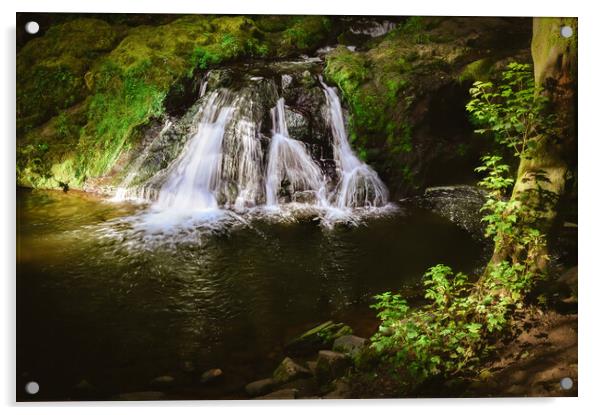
[[124, 78], [46, 155], [50, 68], [373, 85], [305, 33], [479, 70]]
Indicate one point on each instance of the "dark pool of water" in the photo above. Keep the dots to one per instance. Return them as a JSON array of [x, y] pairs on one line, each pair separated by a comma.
[[92, 305]]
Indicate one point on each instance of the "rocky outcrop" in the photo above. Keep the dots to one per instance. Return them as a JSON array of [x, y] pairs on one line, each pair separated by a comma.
[[406, 93]]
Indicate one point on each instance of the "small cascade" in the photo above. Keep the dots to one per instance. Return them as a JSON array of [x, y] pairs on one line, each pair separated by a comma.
[[125, 191], [193, 182], [291, 165], [359, 185], [219, 162]]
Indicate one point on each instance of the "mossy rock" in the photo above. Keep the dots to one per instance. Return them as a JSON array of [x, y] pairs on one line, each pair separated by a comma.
[[51, 68], [479, 70]]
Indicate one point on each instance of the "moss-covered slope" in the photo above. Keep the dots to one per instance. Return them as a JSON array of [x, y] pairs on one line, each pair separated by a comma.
[[86, 86]]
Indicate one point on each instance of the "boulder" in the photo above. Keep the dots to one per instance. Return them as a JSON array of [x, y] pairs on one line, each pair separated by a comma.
[[211, 375], [319, 337], [281, 394], [331, 365], [349, 344], [260, 387], [288, 371]]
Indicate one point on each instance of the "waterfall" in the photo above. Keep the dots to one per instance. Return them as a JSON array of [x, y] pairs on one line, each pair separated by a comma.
[[290, 163], [193, 182], [358, 184], [221, 166]]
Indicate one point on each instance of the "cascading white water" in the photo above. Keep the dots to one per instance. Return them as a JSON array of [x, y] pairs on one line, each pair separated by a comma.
[[223, 166], [193, 182], [124, 191], [289, 160], [358, 184]]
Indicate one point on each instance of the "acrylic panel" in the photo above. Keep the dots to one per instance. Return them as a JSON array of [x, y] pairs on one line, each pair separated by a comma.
[[287, 207]]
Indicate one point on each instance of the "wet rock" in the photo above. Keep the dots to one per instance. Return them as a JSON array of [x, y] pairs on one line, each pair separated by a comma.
[[163, 382], [289, 370], [331, 365], [260, 387], [319, 337], [349, 344], [459, 204], [298, 125], [281, 394], [286, 81], [211, 375], [141, 396], [218, 78]]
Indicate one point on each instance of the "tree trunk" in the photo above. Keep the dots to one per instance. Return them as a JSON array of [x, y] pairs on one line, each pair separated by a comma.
[[555, 67]]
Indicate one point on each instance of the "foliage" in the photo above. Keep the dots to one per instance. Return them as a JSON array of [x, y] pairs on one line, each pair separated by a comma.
[[513, 112], [454, 329]]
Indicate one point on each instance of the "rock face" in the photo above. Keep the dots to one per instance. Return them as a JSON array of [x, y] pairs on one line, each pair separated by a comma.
[[289, 371], [407, 92], [349, 344], [320, 337], [331, 365]]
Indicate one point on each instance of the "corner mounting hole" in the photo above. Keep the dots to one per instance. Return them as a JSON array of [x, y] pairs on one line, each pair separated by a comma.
[[32, 27], [32, 388], [566, 31], [566, 383]]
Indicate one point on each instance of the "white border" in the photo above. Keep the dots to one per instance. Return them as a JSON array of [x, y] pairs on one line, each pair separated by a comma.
[[590, 151]]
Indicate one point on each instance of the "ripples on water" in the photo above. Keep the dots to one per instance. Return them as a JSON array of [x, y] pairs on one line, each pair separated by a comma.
[[117, 294]]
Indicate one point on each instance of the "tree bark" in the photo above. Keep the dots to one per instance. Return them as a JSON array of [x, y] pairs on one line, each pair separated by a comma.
[[555, 70]]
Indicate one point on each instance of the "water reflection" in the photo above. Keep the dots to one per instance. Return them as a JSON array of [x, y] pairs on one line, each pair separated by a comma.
[[102, 300]]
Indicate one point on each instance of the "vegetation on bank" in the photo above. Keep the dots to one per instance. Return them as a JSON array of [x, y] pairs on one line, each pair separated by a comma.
[[462, 319], [86, 87]]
